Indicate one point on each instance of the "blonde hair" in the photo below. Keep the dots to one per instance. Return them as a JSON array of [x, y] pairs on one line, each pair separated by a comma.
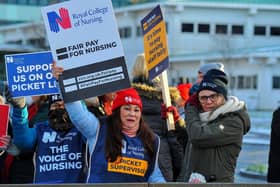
[[2, 100], [139, 67]]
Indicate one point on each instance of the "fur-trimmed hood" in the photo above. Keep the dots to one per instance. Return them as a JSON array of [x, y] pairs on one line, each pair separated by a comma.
[[151, 92], [155, 92]]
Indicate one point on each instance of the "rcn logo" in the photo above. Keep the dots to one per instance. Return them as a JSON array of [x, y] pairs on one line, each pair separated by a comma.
[[63, 19]]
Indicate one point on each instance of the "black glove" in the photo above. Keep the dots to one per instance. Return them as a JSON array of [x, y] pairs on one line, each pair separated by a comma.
[[15, 102]]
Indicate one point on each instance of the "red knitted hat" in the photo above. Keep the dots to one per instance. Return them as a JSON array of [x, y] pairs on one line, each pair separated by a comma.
[[125, 97]]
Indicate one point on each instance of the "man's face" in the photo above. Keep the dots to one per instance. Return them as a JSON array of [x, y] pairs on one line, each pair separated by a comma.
[[199, 77]]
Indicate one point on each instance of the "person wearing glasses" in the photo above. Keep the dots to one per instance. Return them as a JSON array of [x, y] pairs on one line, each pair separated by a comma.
[[203, 69], [216, 124]]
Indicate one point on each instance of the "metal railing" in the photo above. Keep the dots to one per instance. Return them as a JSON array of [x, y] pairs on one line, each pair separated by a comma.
[[149, 185]]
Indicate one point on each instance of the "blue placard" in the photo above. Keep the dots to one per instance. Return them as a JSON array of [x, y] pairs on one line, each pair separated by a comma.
[[30, 74]]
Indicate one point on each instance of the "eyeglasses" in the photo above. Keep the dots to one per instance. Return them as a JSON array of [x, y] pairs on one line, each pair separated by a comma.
[[204, 98]]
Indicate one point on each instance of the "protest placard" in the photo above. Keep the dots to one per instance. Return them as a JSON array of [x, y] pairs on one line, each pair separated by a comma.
[[85, 41], [156, 53], [155, 42], [4, 116], [30, 74]]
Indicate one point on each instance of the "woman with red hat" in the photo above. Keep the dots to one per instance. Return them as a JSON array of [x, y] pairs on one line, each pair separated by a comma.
[[122, 148]]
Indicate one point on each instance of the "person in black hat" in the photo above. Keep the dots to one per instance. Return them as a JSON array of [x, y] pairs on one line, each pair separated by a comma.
[[59, 147], [22, 167], [203, 69], [216, 125], [7, 151]]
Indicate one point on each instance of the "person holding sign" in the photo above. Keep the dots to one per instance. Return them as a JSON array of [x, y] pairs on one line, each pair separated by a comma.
[[5, 141], [22, 167], [7, 149], [122, 147], [171, 151], [59, 147], [216, 125]]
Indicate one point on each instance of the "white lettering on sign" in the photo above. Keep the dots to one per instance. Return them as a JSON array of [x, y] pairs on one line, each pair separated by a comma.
[[69, 81], [71, 88], [100, 74], [36, 68], [101, 81], [60, 159], [49, 137], [38, 77]]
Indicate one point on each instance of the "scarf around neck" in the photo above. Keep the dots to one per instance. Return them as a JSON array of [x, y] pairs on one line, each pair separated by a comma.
[[232, 104]]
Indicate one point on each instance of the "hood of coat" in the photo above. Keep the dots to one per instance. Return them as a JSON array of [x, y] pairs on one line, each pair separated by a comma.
[[232, 106], [244, 116]]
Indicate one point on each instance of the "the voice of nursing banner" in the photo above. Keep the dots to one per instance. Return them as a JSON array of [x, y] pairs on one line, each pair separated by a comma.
[[155, 42], [30, 74], [84, 40]]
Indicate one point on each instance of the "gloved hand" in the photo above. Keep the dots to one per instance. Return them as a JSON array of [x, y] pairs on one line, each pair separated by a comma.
[[171, 109], [15, 102], [193, 100]]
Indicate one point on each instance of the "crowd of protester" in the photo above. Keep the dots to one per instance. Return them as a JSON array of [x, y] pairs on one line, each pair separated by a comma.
[[122, 136]]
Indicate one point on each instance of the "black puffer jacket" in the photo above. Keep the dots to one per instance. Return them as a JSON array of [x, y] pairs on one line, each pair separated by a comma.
[[274, 153]]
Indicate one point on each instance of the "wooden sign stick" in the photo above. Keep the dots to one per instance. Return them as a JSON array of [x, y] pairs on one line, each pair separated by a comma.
[[166, 99]]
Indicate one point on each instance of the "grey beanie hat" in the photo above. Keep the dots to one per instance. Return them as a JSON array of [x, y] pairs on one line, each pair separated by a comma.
[[204, 68]]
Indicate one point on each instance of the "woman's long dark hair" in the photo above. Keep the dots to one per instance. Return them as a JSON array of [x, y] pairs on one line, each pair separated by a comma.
[[114, 137]]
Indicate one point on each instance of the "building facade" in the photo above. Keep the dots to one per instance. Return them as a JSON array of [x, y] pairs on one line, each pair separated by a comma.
[[244, 35], [16, 14]]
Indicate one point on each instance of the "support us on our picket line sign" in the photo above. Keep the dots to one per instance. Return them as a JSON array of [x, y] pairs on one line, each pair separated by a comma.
[[30, 74], [32, 78]]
